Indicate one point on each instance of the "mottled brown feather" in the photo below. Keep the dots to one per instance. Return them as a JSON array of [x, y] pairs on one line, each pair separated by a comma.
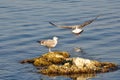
[[48, 43]]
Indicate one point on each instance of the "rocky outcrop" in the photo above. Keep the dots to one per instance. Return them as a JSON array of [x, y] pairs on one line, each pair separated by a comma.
[[61, 63]]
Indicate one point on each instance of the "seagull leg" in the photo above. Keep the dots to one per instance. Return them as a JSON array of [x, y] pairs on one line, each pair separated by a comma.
[[50, 50]]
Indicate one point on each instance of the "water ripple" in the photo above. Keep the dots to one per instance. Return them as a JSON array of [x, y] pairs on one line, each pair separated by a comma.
[[23, 22]]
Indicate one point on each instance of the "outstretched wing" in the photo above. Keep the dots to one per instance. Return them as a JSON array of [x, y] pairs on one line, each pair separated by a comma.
[[69, 27], [74, 26], [87, 22]]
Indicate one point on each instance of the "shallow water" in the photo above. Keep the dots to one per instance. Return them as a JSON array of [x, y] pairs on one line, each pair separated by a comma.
[[23, 22]]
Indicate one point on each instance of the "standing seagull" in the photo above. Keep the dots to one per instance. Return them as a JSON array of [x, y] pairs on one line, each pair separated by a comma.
[[76, 29], [50, 43]]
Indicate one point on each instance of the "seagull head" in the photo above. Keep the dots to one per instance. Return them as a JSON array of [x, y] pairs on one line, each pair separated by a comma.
[[55, 38]]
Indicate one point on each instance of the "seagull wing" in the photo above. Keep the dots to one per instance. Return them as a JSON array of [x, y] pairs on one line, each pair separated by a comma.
[[87, 22], [48, 43], [53, 24], [74, 26], [69, 27]]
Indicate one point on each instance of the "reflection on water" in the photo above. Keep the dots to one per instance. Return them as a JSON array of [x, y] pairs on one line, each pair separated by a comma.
[[75, 76], [23, 22], [82, 76]]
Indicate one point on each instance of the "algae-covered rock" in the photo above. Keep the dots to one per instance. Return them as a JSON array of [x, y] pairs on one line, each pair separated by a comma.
[[48, 58], [41, 62], [56, 57], [79, 65], [60, 63]]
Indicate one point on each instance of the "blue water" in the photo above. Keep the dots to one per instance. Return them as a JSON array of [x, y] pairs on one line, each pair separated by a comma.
[[23, 22]]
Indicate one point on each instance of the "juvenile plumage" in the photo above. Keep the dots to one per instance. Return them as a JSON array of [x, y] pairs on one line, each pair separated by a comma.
[[50, 43]]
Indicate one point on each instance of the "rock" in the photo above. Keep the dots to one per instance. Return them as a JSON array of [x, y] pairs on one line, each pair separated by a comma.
[[48, 59], [60, 63], [79, 66]]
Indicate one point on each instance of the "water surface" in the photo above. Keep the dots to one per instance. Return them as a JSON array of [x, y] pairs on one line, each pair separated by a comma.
[[23, 22]]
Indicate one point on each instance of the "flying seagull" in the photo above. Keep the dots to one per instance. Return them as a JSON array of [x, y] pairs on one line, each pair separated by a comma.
[[50, 43], [76, 29]]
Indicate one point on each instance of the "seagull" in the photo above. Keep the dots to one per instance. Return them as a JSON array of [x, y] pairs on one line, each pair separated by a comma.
[[50, 43], [76, 29]]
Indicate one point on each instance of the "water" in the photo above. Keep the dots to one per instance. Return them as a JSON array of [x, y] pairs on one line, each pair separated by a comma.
[[23, 22]]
